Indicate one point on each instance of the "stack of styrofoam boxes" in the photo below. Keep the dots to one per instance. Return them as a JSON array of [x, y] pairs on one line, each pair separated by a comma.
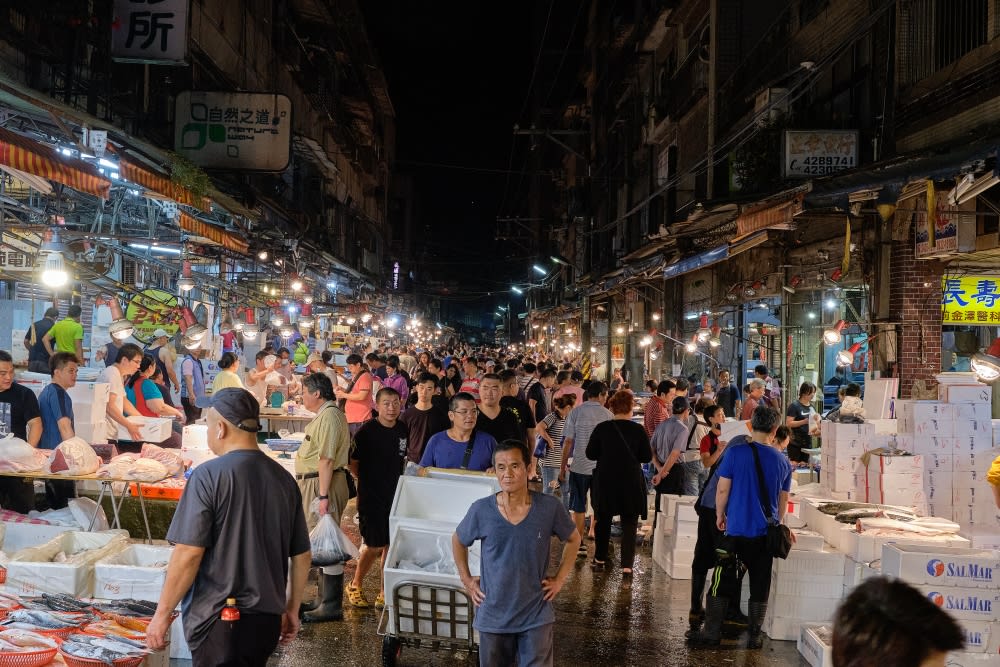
[[663, 542], [805, 588], [681, 542], [896, 480], [963, 582], [423, 517], [90, 402], [841, 469]]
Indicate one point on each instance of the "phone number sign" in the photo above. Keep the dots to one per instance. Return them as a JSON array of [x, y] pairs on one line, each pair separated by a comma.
[[971, 300], [809, 153]]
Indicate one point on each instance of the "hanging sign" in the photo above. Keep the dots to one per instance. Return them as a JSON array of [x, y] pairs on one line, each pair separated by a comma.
[[810, 153], [150, 310], [239, 131], [150, 31], [971, 300]]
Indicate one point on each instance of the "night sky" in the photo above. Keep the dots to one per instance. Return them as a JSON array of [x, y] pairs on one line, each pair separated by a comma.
[[458, 74]]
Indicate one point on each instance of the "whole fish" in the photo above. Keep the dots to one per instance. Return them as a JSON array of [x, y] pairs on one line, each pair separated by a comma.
[[43, 619], [90, 652], [26, 638]]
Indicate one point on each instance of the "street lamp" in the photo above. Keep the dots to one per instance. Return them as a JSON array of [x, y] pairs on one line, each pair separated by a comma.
[[516, 289], [540, 270]]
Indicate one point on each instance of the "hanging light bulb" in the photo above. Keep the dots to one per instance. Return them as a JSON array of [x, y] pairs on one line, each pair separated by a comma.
[[366, 318], [249, 324], [351, 321], [286, 330], [308, 298], [262, 255], [277, 318], [190, 343], [715, 339], [704, 333], [833, 336], [692, 345], [120, 328], [846, 357], [306, 319], [238, 320], [296, 283], [185, 283], [645, 341], [987, 364], [190, 326], [53, 266]]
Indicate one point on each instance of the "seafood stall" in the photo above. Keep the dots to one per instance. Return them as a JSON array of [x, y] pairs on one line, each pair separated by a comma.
[[426, 603]]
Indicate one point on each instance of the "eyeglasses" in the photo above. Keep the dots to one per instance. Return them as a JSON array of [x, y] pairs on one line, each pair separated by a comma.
[[473, 411]]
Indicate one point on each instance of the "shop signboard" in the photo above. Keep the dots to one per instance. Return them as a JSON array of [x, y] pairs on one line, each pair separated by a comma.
[[238, 131], [954, 228], [811, 153], [971, 300], [150, 310], [150, 32]]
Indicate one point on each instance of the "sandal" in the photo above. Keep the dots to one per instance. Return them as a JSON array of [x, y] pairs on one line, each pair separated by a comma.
[[380, 601], [597, 565], [356, 596]]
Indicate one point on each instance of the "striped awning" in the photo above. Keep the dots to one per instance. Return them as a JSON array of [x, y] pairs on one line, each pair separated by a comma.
[[213, 233], [33, 157], [163, 185]]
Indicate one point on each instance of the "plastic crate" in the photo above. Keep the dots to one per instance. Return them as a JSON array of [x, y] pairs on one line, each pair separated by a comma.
[[154, 492]]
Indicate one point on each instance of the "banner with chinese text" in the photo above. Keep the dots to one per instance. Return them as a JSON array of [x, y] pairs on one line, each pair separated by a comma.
[[150, 32], [972, 300]]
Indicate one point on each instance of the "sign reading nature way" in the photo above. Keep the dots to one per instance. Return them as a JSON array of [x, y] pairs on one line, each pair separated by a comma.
[[150, 310]]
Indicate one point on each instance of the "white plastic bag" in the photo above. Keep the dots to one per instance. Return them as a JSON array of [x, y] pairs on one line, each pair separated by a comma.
[[74, 457], [330, 545]]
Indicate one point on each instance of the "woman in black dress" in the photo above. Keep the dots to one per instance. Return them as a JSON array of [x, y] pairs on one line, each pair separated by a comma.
[[620, 447]]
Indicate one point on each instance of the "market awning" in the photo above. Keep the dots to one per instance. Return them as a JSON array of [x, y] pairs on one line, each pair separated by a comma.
[[215, 234], [695, 262], [162, 185], [776, 212], [35, 158]]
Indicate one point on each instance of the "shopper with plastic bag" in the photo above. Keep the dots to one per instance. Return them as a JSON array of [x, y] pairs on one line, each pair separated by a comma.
[[321, 473]]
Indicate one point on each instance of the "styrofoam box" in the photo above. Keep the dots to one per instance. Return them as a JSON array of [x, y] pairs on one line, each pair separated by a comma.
[[810, 586], [970, 444], [884, 426], [179, 649], [884, 464], [422, 545], [981, 636], [909, 496], [969, 659], [814, 646], [979, 461], [971, 568], [925, 417], [661, 552], [90, 401], [889, 481], [866, 547], [964, 603], [194, 436], [781, 628], [686, 512], [982, 538], [965, 393], [433, 501], [933, 444], [835, 432], [33, 578], [814, 563], [807, 540], [673, 501], [985, 515], [473, 476], [677, 569], [805, 609], [152, 429], [938, 461], [856, 572], [138, 572], [19, 536]]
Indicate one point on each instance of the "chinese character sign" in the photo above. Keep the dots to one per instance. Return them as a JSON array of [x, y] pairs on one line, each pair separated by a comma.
[[971, 300], [247, 131], [151, 310], [810, 153], [150, 31]]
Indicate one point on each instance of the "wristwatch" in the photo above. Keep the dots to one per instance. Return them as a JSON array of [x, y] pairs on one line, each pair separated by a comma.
[[323, 497]]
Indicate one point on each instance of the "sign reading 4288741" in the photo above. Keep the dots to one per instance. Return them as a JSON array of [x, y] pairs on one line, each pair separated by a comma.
[[971, 300], [237, 131]]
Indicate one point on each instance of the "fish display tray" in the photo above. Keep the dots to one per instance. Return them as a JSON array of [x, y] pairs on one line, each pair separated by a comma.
[[280, 445], [27, 658], [73, 661]]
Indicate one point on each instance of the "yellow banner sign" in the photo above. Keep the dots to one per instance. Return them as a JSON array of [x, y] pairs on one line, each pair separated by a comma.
[[972, 300], [151, 310]]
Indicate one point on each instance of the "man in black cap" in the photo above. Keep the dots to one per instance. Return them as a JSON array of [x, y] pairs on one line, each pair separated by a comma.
[[232, 541]]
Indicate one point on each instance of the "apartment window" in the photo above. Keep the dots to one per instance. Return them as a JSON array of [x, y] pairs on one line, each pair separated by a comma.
[[935, 33]]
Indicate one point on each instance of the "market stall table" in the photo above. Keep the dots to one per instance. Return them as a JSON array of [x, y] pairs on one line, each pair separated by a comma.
[[282, 419], [106, 487]]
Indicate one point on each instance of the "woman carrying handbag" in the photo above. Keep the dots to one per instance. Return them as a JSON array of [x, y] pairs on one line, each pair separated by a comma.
[[620, 447]]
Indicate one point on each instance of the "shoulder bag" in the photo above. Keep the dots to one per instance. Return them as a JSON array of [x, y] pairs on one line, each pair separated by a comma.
[[640, 479], [779, 537]]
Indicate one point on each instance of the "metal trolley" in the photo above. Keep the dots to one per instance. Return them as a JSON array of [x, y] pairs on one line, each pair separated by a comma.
[[422, 615]]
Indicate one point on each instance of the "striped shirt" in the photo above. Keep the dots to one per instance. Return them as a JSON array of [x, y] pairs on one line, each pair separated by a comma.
[[580, 424], [554, 427]]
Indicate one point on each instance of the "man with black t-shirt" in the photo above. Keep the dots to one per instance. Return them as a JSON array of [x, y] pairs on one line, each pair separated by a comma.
[[728, 396], [502, 423], [377, 459], [539, 399], [424, 418], [19, 414]]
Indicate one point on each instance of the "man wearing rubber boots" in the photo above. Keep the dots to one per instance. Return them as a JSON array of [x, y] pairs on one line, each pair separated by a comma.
[[740, 516]]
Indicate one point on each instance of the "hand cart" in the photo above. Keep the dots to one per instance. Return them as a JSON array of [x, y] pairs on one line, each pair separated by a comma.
[[422, 615]]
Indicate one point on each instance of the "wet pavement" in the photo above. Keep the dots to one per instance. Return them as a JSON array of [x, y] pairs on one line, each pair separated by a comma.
[[599, 621]]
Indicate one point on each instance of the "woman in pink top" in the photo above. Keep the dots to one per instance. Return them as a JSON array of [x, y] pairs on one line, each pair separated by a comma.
[[357, 399]]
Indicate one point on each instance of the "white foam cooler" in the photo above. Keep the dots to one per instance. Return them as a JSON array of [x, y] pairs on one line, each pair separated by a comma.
[[422, 545], [138, 572], [437, 502]]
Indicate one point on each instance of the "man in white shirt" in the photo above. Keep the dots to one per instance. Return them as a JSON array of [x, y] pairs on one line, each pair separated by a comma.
[[119, 407]]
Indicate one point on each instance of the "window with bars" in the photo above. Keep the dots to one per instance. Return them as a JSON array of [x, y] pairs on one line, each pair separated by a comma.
[[933, 34]]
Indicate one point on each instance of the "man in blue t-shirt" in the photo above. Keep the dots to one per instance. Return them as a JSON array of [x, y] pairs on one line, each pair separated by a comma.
[[461, 446], [56, 408], [515, 616], [740, 515]]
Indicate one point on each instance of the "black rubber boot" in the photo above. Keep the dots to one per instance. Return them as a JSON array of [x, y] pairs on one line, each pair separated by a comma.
[[332, 607], [696, 616], [758, 610], [312, 604], [715, 614]]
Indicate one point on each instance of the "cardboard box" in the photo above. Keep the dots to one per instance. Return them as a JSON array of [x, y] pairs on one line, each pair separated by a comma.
[[152, 429], [964, 603], [941, 566], [815, 644], [137, 572]]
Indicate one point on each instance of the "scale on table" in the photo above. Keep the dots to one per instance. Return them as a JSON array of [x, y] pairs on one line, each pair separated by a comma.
[[284, 445]]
